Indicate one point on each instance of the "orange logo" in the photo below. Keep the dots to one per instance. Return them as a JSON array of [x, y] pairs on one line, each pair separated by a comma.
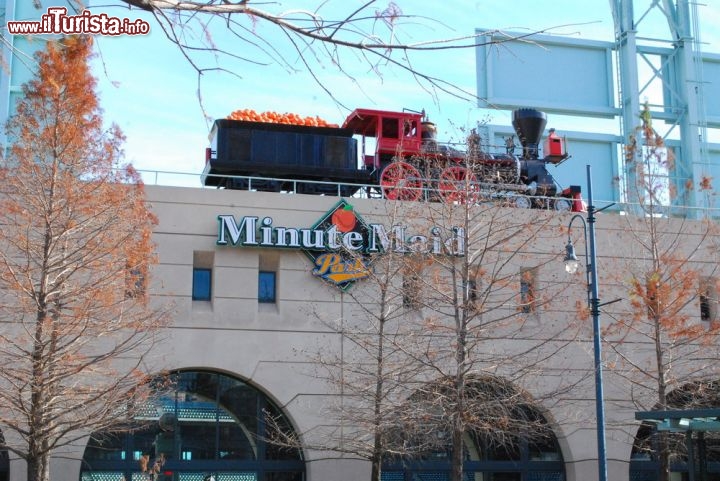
[[344, 259], [344, 219], [333, 268]]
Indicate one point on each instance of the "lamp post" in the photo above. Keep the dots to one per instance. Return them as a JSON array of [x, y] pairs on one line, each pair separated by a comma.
[[571, 266]]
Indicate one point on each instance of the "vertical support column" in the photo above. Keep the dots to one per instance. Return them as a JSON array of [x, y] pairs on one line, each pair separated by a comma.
[[689, 162], [626, 44], [691, 455], [683, 76]]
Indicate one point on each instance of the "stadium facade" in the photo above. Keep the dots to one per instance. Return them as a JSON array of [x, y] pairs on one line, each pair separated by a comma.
[[254, 316]]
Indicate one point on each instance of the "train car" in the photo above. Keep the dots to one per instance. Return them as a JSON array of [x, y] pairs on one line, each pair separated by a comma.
[[398, 157], [269, 151]]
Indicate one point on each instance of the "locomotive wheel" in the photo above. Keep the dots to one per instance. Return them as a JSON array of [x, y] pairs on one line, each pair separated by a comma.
[[562, 205], [458, 184], [401, 181], [521, 202]]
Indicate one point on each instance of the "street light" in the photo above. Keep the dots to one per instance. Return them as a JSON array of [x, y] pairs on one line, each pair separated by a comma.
[[571, 266], [571, 260]]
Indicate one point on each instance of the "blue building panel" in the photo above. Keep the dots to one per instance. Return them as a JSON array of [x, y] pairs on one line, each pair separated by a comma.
[[710, 97], [23, 66], [602, 155], [713, 171], [556, 74], [18, 52], [711, 92]]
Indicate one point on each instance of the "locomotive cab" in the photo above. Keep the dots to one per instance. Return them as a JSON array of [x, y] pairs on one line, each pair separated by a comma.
[[394, 134]]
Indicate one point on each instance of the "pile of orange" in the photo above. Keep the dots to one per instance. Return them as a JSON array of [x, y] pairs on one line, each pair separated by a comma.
[[251, 115]]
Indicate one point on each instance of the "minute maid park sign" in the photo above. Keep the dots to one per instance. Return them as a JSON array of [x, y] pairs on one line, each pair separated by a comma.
[[341, 244]]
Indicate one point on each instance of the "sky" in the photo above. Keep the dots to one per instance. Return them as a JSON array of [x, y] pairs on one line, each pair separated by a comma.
[[154, 94]]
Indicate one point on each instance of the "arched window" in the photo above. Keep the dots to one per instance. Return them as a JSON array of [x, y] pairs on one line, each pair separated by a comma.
[[510, 439], [210, 427], [645, 462]]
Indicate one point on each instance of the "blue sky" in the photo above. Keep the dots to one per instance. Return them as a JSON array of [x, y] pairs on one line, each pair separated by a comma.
[[151, 91]]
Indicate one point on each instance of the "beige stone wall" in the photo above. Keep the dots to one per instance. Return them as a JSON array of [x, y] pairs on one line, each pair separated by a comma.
[[269, 345]]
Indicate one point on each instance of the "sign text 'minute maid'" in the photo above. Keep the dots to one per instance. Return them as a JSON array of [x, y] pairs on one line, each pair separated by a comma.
[[251, 231], [341, 245]]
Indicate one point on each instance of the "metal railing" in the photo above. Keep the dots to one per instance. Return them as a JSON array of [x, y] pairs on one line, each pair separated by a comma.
[[339, 189]]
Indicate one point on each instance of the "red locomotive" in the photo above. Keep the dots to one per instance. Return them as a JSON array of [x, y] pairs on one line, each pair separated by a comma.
[[400, 159]]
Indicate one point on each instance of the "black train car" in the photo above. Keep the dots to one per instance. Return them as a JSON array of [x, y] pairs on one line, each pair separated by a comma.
[[282, 151]]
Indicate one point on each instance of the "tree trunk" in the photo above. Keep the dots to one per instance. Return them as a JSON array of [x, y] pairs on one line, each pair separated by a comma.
[[458, 425], [38, 466], [456, 473], [37, 460], [663, 456], [378, 448], [376, 459], [663, 448]]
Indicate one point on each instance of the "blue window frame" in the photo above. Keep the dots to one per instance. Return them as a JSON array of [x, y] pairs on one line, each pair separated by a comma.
[[202, 284], [527, 291], [207, 424], [266, 286]]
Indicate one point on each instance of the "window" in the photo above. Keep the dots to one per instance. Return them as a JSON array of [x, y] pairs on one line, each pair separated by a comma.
[[202, 275], [202, 284], [135, 282], [708, 300], [646, 449], [471, 293], [390, 128], [266, 286], [412, 281], [411, 290], [705, 306], [268, 267], [206, 423], [410, 128], [524, 442], [653, 295], [528, 288]]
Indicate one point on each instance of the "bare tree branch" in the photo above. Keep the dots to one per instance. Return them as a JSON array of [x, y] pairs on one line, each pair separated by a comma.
[[364, 37]]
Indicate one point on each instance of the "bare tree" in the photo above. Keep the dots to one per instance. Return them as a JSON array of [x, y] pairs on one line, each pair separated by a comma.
[[445, 348], [75, 258], [667, 338], [370, 377], [479, 303]]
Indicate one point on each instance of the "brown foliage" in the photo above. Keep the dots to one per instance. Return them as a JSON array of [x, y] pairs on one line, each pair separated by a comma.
[[660, 343], [75, 255]]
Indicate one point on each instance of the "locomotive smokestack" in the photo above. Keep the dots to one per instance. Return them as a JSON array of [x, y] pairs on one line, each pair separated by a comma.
[[529, 125]]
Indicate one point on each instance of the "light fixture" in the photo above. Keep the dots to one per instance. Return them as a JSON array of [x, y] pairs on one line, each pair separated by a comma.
[[571, 260]]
